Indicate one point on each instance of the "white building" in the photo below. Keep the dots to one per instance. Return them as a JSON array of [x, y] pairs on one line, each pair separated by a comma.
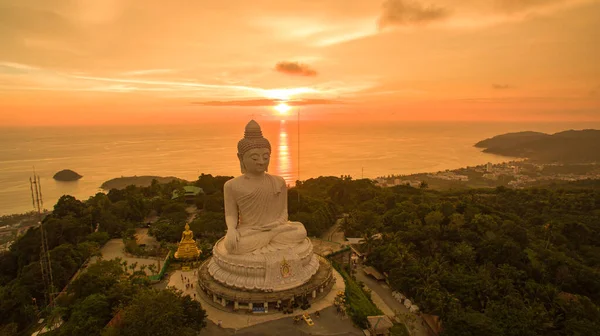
[[492, 177], [450, 176]]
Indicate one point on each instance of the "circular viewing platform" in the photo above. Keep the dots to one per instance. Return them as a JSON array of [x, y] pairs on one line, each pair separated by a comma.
[[238, 299]]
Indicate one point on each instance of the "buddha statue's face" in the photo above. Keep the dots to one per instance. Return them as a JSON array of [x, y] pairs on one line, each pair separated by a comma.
[[256, 161]]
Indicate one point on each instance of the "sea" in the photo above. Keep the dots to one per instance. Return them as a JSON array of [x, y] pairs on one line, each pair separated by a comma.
[[300, 151]]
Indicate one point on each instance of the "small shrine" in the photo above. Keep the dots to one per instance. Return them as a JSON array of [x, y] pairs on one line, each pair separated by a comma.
[[187, 246]]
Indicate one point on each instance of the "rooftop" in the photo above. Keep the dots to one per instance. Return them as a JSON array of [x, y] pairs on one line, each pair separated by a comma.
[[380, 323]]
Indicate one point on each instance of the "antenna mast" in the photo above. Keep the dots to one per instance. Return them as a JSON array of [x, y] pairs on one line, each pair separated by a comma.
[[298, 191], [45, 263], [298, 145]]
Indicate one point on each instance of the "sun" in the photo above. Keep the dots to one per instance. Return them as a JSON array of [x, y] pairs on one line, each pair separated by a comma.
[[282, 108]]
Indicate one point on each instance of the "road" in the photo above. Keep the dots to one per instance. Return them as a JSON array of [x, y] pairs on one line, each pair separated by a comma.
[[115, 248], [382, 297], [329, 323], [334, 233], [381, 294], [142, 237]]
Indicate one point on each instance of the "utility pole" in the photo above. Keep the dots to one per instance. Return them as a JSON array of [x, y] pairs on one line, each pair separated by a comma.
[[298, 145], [298, 179], [45, 262]]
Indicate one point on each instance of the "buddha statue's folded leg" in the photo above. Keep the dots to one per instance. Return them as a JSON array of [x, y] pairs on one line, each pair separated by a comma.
[[252, 241], [293, 233]]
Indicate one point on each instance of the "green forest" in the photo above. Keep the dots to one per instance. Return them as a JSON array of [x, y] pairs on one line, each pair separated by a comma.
[[76, 230], [486, 261], [489, 262]]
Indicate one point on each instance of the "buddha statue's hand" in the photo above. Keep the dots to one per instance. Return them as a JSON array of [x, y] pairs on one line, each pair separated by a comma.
[[231, 239], [267, 227], [273, 226]]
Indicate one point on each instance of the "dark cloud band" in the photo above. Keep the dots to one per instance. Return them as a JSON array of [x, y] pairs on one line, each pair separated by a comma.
[[267, 102], [295, 68], [402, 12]]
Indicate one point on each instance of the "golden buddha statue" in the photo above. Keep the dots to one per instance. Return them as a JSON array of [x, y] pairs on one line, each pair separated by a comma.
[[187, 246]]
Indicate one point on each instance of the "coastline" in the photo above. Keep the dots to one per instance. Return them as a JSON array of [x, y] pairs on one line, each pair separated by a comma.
[[139, 181], [186, 152], [488, 176]]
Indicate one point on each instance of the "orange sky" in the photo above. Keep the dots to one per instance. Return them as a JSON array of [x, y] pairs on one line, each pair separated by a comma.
[[151, 61]]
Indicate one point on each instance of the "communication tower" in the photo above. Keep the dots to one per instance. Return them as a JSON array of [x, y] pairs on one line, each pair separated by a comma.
[[45, 263]]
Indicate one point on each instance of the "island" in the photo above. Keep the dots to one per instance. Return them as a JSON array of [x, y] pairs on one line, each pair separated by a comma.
[[67, 175], [139, 181], [572, 146]]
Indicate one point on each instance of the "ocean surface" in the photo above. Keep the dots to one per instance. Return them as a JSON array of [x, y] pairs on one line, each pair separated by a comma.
[[100, 153]]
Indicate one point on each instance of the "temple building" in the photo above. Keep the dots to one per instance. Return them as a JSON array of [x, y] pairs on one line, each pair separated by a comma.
[[190, 193]]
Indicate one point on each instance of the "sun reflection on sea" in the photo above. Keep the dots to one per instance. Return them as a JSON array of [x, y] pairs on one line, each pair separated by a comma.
[[284, 163]]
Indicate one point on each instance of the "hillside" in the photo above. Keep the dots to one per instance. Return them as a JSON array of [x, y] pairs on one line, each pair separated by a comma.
[[573, 146], [139, 181], [511, 139]]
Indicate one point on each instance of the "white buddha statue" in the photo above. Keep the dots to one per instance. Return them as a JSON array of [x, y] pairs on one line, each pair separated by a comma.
[[262, 250]]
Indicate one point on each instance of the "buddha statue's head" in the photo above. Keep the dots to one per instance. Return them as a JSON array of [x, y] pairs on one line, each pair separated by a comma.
[[254, 151]]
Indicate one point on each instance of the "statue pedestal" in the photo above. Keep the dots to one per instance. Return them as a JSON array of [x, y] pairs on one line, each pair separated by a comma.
[[244, 300], [268, 272], [187, 251]]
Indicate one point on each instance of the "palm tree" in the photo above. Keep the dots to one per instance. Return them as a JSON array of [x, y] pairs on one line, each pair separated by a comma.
[[368, 240]]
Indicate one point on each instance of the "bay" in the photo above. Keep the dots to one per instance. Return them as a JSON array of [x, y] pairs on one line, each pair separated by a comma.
[[368, 150]]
